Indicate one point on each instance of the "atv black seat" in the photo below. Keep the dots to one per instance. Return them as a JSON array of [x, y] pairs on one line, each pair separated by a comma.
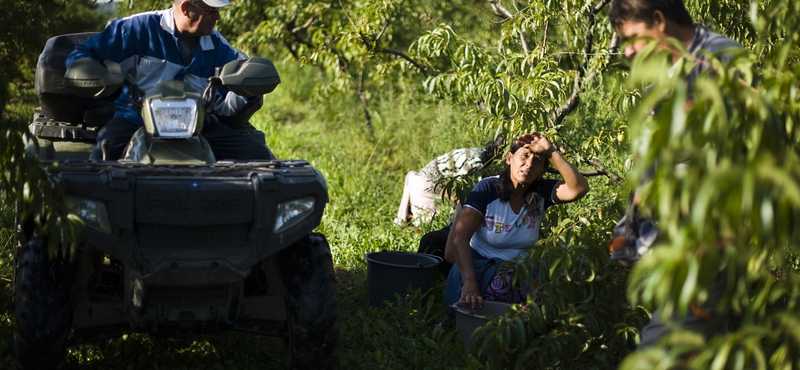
[[56, 101]]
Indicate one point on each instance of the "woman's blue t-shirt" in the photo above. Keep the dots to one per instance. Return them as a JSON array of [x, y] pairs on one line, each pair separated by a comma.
[[504, 234]]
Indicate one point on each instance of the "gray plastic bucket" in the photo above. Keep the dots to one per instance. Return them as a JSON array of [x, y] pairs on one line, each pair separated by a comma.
[[393, 272], [468, 319]]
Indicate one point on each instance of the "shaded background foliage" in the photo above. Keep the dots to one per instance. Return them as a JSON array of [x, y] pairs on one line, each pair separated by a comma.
[[386, 75], [20, 44], [23, 181]]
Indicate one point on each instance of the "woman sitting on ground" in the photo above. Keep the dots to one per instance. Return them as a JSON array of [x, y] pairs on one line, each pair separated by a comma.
[[501, 217]]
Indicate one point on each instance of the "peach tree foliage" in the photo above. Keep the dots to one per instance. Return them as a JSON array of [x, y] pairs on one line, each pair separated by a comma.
[[20, 46], [24, 185], [735, 201], [36, 194], [726, 193], [553, 66]]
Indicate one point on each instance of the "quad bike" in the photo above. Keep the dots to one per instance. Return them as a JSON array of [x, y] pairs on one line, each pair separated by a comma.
[[173, 239]]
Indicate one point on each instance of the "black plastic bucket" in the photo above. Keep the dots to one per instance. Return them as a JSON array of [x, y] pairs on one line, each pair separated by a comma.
[[393, 272], [469, 319]]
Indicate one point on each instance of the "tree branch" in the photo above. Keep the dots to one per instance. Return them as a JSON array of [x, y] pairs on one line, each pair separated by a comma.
[[544, 41], [372, 46], [593, 173], [601, 169], [501, 10], [364, 100], [292, 49], [572, 102], [524, 43], [380, 34], [574, 99], [295, 31], [304, 26], [584, 173], [407, 58]]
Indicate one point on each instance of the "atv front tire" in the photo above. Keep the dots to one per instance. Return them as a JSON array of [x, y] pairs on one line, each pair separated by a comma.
[[313, 338], [42, 308]]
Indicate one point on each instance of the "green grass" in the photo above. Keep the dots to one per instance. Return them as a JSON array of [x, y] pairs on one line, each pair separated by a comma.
[[364, 167], [6, 268]]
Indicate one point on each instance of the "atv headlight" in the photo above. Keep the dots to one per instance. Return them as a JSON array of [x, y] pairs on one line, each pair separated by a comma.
[[174, 118], [291, 212], [92, 212]]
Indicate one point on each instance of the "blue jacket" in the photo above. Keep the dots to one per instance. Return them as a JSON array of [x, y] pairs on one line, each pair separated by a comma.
[[145, 45]]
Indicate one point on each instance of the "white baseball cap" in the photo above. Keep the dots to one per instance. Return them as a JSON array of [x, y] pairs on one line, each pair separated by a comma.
[[217, 3]]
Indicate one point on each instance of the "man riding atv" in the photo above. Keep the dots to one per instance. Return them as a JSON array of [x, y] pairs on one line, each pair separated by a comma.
[[173, 239], [179, 43]]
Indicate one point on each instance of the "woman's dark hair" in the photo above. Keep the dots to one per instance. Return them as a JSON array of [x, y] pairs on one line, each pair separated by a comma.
[[642, 11], [506, 187]]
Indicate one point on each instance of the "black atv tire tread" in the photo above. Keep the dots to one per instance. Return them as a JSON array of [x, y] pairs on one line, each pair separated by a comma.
[[42, 309], [314, 340]]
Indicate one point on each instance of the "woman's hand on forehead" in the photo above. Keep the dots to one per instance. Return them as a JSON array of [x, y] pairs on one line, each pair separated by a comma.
[[535, 142]]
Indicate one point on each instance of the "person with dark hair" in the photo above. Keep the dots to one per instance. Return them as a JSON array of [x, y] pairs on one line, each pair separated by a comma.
[[179, 43], [501, 217], [420, 192], [644, 21], [644, 10]]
